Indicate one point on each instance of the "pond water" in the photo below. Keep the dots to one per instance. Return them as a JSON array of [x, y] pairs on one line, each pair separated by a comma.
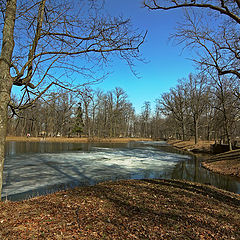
[[38, 168]]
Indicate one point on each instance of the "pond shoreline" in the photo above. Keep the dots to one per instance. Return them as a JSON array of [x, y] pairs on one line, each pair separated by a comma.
[[74, 139], [125, 209], [203, 147], [229, 166], [54, 166], [227, 163]]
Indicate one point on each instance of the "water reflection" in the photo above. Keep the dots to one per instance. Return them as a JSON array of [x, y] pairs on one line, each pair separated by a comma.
[[37, 168], [13, 148], [191, 170]]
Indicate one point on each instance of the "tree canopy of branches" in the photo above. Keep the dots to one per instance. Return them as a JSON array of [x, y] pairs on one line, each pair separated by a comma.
[[45, 42], [98, 114], [216, 44], [212, 29], [199, 107], [202, 107]]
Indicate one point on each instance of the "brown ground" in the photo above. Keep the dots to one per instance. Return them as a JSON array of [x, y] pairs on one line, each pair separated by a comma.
[[128, 209], [227, 163], [75, 140], [201, 147]]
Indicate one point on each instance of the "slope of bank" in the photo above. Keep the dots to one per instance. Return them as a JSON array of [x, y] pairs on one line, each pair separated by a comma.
[[227, 163], [190, 146], [127, 209]]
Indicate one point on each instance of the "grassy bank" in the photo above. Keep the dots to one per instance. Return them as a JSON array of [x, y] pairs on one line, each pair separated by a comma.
[[129, 209], [227, 163], [190, 146], [74, 140]]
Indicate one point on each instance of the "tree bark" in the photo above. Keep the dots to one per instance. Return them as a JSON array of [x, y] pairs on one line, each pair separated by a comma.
[[5, 77], [229, 142], [195, 130], [183, 132], [4, 100]]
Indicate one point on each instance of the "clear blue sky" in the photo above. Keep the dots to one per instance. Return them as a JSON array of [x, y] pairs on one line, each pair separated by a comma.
[[166, 64]]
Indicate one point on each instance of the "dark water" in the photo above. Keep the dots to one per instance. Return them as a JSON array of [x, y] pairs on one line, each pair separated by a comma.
[[38, 168]]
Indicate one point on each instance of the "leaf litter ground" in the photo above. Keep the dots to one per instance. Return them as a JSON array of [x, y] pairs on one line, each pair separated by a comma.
[[126, 209]]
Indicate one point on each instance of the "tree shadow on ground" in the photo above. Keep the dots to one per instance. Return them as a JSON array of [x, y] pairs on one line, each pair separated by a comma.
[[168, 210]]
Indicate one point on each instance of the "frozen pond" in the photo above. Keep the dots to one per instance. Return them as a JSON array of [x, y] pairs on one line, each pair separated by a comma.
[[38, 168]]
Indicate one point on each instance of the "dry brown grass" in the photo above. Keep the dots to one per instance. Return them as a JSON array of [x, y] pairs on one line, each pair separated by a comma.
[[227, 163], [226, 167], [202, 146], [74, 140]]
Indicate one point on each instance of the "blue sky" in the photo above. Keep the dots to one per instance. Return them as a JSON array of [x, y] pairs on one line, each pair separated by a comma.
[[167, 62]]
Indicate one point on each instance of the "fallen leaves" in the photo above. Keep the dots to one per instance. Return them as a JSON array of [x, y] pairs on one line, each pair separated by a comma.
[[129, 209]]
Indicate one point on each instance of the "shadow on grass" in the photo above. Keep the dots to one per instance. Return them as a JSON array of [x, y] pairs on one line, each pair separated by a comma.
[[136, 203], [200, 189]]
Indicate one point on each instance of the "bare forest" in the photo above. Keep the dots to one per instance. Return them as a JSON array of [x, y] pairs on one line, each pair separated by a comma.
[[197, 108]]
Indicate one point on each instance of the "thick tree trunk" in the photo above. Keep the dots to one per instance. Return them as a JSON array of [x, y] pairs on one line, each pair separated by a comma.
[[183, 132], [5, 77], [4, 100]]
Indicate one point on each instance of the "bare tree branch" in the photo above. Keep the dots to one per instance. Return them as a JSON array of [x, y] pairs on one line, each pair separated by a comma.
[[223, 9]]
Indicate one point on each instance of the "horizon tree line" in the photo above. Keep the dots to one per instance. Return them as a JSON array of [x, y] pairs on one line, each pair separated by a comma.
[[96, 114], [199, 107]]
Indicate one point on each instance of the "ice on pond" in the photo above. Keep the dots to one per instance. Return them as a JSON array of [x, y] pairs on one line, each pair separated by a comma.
[[30, 172]]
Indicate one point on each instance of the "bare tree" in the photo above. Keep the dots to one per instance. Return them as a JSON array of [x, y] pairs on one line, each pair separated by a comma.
[[157, 123], [217, 44], [119, 111], [145, 119], [42, 41], [217, 47], [174, 103], [196, 92], [87, 100], [225, 7], [113, 114], [226, 105]]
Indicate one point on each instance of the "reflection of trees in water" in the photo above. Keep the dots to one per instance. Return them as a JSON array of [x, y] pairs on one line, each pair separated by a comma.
[[188, 169], [191, 170], [155, 173], [13, 148]]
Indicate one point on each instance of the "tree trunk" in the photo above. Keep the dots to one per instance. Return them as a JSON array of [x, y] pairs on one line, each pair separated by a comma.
[[229, 141], [183, 132], [195, 131], [4, 100], [6, 80], [208, 133]]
